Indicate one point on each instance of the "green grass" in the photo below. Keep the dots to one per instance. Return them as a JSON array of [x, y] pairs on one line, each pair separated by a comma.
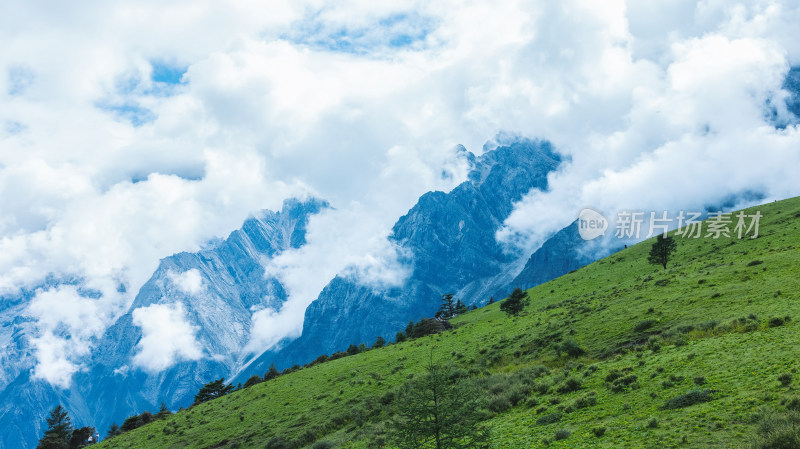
[[709, 332]]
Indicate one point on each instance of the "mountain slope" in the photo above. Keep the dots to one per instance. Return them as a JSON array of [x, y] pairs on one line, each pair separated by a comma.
[[449, 238], [721, 320]]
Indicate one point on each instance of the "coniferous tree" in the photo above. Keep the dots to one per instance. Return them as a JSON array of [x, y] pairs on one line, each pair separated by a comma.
[[212, 390], [662, 250], [491, 300], [59, 430], [514, 304], [461, 308], [400, 337], [379, 343], [448, 308], [113, 430], [272, 373], [438, 412], [163, 411]]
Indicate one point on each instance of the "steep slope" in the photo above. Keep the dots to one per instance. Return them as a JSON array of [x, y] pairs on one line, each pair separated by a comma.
[[720, 321], [215, 293], [450, 240]]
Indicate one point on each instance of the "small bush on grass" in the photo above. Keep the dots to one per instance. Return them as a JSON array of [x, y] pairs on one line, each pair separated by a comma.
[[776, 321], [643, 325], [498, 404], [279, 443], [585, 401], [622, 383], [690, 398], [549, 419], [569, 385], [599, 431], [571, 347], [562, 435]]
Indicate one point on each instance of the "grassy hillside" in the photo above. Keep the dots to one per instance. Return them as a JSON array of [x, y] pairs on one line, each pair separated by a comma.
[[714, 322]]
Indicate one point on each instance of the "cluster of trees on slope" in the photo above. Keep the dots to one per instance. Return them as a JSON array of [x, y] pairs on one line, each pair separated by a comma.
[[60, 434]]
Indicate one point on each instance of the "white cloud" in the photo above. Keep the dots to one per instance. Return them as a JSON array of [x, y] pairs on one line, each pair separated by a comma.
[[66, 323], [189, 282], [274, 104], [692, 140], [167, 337], [352, 242], [53, 355]]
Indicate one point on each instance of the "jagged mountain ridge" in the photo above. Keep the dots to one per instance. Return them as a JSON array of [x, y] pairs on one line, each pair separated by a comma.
[[453, 247]]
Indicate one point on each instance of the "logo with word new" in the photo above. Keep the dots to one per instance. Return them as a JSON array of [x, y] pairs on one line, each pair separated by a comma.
[[591, 224]]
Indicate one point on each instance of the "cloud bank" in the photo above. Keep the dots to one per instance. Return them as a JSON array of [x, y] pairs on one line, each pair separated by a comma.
[[131, 132]]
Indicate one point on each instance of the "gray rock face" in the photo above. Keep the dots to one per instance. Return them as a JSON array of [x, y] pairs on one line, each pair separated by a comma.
[[232, 286], [563, 252], [450, 238]]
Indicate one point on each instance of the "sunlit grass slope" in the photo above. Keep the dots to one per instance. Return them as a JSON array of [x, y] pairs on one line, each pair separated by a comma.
[[713, 322]]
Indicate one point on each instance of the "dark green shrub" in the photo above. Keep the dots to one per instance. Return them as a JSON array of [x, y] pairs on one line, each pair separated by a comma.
[[516, 396], [549, 419], [653, 423], [562, 435], [253, 380], [541, 387], [785, 379], [279, 443], [498, 404], [614, 375], [622, 383], [776, 321], [387, 398], [585, 401], [643, 325], [571, 348], [690, 398], [425, 326], [569, 385], [599, 431], [322, 445], [699, 380], [755, 262]]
